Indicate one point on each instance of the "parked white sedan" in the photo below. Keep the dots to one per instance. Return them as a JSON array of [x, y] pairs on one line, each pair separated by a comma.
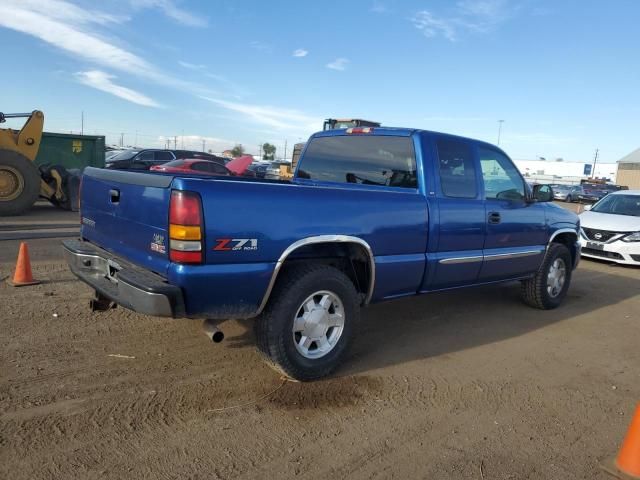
[[610, 229]]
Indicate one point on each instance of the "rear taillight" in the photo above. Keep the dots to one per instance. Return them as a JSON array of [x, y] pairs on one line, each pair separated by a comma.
[[185, 227]]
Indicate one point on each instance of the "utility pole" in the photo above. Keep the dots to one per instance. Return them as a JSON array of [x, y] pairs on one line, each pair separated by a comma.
[[259, 151], [500, 122], [285, 151], [203, 149], [595, 160], [82, 123], [122, 139], [175, 142]]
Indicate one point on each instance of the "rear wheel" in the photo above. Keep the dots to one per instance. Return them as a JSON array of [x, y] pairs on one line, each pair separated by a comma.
[[19, 183], [309, 323], [547, 289]]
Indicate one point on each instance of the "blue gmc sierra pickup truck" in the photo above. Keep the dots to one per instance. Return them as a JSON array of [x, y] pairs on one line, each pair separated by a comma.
[[371, 214]]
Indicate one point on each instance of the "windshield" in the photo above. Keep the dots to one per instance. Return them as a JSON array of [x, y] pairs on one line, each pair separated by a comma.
[[619, 205], [126, 155]]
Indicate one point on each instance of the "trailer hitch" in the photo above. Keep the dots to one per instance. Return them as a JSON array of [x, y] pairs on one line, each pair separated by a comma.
[[101, 303]]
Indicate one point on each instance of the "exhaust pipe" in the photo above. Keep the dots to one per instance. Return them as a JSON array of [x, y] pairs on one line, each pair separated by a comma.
[[212, 332]]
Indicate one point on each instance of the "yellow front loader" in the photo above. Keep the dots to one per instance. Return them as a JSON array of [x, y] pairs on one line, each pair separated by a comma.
[[21, 182]]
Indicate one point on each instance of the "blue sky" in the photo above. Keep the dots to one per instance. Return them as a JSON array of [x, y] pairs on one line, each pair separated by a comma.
[[565, 76]]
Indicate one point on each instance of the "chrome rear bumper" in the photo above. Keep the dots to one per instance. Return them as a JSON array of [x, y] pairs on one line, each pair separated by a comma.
[[122, 282]]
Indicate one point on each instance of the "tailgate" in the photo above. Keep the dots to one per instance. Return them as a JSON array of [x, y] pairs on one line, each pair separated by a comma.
[[127, 213]]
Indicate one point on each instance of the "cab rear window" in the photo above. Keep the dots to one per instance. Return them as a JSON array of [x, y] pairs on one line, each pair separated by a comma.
[[365, 159]]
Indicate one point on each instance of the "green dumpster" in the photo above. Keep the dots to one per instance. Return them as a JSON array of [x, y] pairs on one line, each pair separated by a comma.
[[71, 151]]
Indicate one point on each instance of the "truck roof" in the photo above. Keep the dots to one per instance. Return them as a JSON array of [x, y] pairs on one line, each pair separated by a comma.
[[402, 132], [398, 132]]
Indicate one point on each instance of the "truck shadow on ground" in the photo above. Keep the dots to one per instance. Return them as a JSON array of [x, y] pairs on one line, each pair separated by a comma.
[[441, 323], [431, 325]]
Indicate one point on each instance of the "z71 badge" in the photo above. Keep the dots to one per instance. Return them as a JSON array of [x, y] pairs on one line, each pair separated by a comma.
[[235, 244]]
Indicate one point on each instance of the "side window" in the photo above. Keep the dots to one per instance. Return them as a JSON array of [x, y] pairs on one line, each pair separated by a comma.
[[161, 155], [144, 156], [501, 178], [201, 167], [387, 161], [219, 169], [456, 168]]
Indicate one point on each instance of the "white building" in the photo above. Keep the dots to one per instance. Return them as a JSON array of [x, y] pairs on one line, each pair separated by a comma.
[[629, 170], [553, 171]]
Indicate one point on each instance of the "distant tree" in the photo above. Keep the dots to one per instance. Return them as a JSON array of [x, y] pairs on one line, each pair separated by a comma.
[[269, 151], [237, 151]]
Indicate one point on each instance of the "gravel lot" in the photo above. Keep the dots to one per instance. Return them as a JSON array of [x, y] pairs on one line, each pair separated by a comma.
[[468, 384]]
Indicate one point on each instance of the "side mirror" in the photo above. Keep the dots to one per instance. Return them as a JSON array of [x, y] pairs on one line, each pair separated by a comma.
[[587, 208], [543, 193]]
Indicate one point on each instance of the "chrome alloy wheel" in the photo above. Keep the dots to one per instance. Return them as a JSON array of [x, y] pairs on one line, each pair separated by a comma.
[[318, 324], [556, 277]]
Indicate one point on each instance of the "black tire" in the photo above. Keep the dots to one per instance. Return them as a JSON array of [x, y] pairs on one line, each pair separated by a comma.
[[534, 290], [569, 199], [273, 328], [16, 169]]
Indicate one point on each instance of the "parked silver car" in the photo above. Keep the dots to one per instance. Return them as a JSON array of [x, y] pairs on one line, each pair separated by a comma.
[[566, 193]]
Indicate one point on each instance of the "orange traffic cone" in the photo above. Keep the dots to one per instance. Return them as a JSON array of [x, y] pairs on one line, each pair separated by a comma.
[[23, 275], [627, 463]]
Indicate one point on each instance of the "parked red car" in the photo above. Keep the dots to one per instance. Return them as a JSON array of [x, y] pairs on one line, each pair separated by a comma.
[[198, 166]]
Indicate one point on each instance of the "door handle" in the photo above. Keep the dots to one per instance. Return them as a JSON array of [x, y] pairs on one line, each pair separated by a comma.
[[114, 195], [494, 218]]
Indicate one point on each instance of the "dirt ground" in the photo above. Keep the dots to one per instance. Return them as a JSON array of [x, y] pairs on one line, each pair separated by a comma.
[[459, 385]]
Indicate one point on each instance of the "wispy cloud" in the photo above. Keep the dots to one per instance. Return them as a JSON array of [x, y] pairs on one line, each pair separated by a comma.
[[192, 66], [432, 26], [234, 90], [173, 11], [300, 52], [104, 82], [378, 7], [261, 46], [338, 64], [75, 31], [63, 10], [468, 16], [62, 25], [232, 87], [279, 118]]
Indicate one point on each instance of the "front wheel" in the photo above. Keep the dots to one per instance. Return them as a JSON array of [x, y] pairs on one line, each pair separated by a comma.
[[569, 199], [309, 323], [549, 286]]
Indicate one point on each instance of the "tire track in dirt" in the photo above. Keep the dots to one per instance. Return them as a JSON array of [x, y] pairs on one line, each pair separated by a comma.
[[443, 412]]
